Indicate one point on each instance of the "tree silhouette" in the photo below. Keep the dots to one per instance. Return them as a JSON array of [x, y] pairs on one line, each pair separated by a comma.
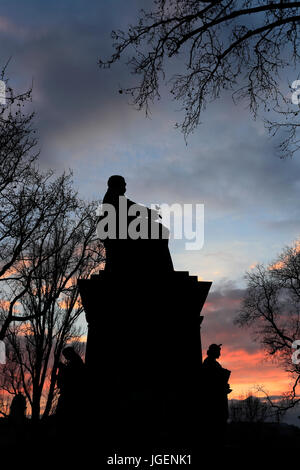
[[271, 308], [47, 241], [49, 306], [240, 46], [31, 201], [251, 410]]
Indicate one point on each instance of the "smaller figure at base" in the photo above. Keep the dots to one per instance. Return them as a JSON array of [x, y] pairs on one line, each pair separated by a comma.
[[17, 412], [71, 381], [215, 387]]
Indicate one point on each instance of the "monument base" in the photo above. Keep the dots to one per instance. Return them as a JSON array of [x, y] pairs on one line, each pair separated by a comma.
[[143, 358]]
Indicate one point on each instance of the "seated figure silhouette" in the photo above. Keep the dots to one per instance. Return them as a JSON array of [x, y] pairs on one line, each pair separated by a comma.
[[71, 381], [215, 390], [135, 240]]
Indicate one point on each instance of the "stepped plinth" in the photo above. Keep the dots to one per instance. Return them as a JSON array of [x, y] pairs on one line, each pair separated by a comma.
[[144, 354]]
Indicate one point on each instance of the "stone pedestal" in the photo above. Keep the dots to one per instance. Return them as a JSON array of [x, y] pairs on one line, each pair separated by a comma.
[[144, 355]]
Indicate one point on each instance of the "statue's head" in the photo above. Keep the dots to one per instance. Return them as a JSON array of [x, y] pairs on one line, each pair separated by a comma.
[[117, 184], [214, 351]]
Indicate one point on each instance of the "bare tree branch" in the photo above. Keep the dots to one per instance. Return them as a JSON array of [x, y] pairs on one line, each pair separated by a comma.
[[271, 308], [240, 46]]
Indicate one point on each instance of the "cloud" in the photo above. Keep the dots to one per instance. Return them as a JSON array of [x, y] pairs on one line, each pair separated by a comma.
[[220, 310], [240, 353], [84, 123], [8, 27], [250, 196]]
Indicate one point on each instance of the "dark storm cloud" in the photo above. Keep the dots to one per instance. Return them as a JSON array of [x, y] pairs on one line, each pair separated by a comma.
[[231, 172], [58, 47], [229, 163], [220, 311]]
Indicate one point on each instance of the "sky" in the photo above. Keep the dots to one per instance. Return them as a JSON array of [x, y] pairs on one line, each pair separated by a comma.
[[230, 164]]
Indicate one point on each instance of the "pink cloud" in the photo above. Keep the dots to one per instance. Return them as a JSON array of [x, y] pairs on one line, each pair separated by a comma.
[[240, 353], [8, 27]]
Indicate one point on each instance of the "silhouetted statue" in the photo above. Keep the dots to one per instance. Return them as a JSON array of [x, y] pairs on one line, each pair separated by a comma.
[[143, 335], [18, 409], [134, 238], [71, 381], [215, 390]]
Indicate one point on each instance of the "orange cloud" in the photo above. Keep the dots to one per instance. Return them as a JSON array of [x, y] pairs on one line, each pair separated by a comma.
[[282, 263], [253, 265], [221, 304], [249, 370], [240, 354], [4, 305], [65, 304]]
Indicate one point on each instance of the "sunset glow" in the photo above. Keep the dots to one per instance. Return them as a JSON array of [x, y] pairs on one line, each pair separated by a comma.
[[229, 165]]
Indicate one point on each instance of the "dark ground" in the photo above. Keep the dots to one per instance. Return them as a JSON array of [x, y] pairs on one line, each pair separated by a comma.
[[246, 444]]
